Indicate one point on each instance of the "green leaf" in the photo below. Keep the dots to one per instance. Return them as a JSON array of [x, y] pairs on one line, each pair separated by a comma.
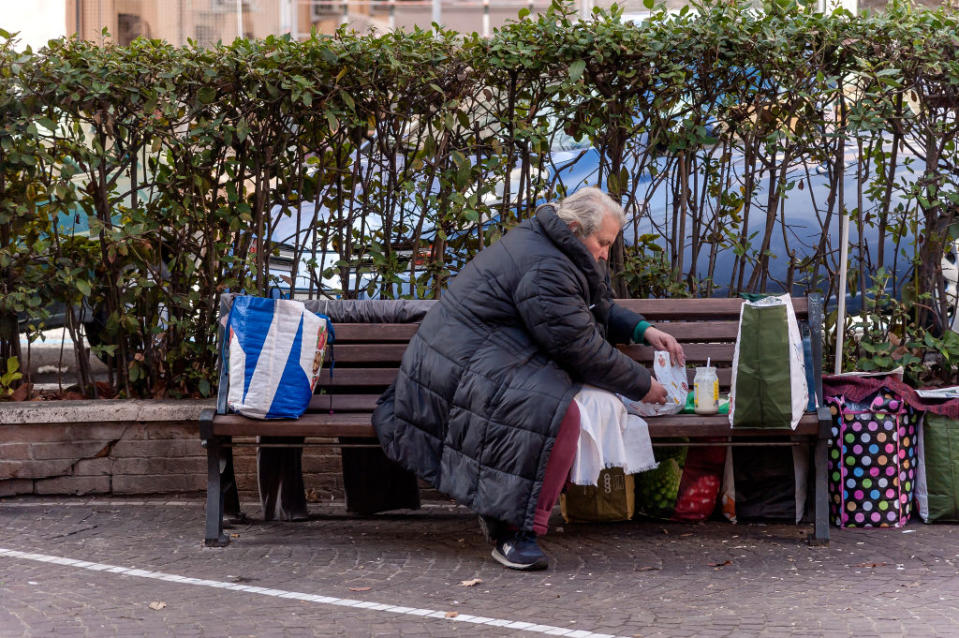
[[242, 129], [649, 4], [84, 287], [576, 69], [206, 94]]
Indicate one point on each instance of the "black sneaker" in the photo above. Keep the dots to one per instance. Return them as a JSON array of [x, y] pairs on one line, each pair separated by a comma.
[[520, 551]]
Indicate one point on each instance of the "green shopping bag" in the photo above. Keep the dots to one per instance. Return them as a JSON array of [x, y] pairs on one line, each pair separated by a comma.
[[937, 483], [768, 387]]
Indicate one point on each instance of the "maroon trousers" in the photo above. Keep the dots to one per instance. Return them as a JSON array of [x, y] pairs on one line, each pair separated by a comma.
[[557, 468]]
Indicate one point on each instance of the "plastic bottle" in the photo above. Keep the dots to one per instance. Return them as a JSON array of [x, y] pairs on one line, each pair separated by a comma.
[[706, 390]]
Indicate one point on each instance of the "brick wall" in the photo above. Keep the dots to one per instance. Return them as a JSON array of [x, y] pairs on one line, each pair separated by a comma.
[[127, 458], [132, 447]]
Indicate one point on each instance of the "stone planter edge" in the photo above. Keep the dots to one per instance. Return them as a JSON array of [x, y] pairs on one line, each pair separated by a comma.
[[103, 411]]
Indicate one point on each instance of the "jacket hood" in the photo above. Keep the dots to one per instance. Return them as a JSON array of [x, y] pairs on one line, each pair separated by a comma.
[[559, 233]]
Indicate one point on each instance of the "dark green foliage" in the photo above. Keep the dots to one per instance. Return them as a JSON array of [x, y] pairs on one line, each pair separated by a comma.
[[174, 158]]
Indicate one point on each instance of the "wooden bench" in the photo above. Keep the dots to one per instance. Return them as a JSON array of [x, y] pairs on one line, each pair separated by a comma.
[[367, 356]]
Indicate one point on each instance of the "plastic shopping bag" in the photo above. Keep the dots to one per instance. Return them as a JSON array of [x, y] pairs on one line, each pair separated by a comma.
[[937, 470], [768, 387], [276, 350], [676, 382], [611, 499], [685, 486]]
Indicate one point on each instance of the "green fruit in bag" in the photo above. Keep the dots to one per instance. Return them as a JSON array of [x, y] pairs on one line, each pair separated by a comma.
[[657, 490]]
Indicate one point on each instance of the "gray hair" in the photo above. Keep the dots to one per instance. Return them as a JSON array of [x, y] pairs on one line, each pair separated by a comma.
[[586, 207]]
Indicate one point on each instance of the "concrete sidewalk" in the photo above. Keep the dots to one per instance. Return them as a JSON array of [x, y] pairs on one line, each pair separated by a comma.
[[90, 567]]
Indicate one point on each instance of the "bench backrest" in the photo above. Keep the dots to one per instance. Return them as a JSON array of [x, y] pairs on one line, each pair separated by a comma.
[[367, 354]]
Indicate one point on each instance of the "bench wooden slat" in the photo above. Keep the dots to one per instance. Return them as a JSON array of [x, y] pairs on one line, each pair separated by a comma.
[[695, 352], [393, 353], [322, 425], [400, 332], [692, 425], [655, 309], [344, 402], [365, 353], [358, 425], [347, 333], [708, 331], [381, 377], [360, 377]]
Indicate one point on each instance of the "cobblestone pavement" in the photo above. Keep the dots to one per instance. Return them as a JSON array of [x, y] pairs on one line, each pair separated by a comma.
[[633, 579]]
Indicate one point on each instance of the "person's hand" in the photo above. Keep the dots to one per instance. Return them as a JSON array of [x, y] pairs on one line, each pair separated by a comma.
[[665, 341], [656, 394]]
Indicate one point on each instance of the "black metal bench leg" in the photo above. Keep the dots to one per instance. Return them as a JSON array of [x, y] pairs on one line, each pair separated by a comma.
[[228, 486], [214, 496], [821, 534]]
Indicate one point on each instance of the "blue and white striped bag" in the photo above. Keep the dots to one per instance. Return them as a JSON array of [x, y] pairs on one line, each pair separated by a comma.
[[276, 349]]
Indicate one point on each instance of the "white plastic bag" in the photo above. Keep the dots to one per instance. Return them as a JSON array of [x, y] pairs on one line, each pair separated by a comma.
[[676, 382]]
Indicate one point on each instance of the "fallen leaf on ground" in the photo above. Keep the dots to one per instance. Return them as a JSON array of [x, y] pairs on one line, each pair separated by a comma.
[[157, 605], [870, 565], [360, 588], [22, 393], [722, 564], [471, 583], [234, 535], [650, 568], [105, 390], [452, 614]]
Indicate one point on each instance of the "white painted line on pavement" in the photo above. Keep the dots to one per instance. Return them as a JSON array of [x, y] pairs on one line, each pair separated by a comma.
[[323, 600]]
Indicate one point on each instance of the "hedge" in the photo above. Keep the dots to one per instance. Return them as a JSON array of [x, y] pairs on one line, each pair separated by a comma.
[[408, 152]]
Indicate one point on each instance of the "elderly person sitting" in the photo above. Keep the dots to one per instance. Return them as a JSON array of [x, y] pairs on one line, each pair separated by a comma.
[[483, 405]]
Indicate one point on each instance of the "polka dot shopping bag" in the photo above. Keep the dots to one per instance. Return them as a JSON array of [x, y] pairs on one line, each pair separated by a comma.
[[872, 461]]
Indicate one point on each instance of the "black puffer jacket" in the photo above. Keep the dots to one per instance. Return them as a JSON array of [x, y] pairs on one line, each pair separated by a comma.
[[487, 379]]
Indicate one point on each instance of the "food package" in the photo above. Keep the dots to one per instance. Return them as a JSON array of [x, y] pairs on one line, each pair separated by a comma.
[[676, 382]]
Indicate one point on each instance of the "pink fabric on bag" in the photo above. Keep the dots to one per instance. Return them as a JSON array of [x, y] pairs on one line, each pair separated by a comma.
[[858, 389], [557, 468]]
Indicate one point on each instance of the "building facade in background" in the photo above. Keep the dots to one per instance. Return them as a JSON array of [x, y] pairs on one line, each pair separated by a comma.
[[209, 21]]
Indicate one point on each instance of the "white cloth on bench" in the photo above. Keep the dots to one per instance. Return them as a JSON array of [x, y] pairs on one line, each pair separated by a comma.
[[608, 437]]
